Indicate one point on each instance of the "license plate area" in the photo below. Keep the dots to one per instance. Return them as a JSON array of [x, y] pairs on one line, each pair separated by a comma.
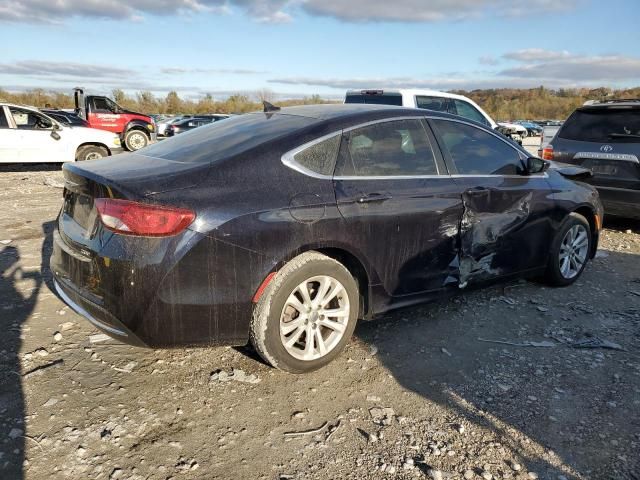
[[79, 207]]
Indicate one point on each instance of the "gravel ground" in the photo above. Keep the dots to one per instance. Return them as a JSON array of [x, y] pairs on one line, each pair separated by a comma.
[[426, 392]]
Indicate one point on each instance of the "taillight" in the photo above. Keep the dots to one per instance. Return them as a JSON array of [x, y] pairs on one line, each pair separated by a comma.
[[547, 153], [142, 219]]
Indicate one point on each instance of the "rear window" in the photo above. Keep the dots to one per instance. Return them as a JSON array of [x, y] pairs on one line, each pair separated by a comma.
[[376, 99], [603, 125], [221, 140]]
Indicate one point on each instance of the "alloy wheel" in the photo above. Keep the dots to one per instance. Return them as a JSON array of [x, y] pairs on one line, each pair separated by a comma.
[[314, 318], [573, 251]]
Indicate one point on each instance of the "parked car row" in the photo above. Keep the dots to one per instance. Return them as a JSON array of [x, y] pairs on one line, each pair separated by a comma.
[[184, 124]]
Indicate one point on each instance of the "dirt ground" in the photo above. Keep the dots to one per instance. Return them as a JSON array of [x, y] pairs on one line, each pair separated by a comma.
[[426, 392]]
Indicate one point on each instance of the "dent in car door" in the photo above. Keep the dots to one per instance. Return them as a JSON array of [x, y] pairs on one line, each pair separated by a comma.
[[506, 226], [400, 207]]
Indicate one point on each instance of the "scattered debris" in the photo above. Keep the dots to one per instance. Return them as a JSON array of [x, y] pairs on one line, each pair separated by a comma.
[[39, 370], [5, 242], [595, 342], [50, 182], [128, 368], [373, 350], [57, 336], [445, 351], [66, 326], [382, 416], [235, 375], [98, 337], [306, 432], [602, 254], [528, 343]]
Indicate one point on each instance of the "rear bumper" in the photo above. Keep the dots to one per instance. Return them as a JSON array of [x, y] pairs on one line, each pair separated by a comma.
[[620, 202], [97, 316], [170, 292]]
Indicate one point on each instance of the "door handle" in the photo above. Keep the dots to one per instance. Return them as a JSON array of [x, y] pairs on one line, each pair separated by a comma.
[[374, 197], [478, 192]]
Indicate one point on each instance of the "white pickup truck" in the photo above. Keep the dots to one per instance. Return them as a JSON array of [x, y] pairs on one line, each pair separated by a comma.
[[28, 135]]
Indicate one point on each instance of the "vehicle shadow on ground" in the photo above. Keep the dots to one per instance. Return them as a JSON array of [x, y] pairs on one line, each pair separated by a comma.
[[31, 167], [19, 289], [435, 351]]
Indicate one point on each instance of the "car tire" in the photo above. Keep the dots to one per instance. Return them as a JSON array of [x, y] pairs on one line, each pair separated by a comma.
[[91, 152], [281, 332], [135, 140], [570, 251]]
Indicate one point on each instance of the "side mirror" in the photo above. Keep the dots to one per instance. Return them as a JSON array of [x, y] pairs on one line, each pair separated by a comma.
[[536, 165], [56, 126]]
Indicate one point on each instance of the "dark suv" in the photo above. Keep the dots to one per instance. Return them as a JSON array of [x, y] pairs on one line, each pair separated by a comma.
[[605, 137]]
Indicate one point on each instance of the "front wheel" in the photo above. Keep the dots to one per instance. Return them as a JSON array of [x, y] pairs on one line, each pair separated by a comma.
[[91, 152], [569, 251], [135, 140], [307, 314]]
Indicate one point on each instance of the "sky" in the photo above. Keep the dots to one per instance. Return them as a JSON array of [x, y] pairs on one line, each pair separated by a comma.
[[297, 48]]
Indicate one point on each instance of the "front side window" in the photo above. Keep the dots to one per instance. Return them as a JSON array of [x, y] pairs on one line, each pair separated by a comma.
[[465, 109], [104, 105], [477, 152], [395, 148], [29, 120]]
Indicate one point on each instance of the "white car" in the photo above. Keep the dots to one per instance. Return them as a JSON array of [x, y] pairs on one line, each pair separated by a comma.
[[28, 135], [522, 131], [427, 99]]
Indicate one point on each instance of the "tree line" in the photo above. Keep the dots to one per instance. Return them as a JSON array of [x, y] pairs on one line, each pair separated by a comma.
[[501, 104]]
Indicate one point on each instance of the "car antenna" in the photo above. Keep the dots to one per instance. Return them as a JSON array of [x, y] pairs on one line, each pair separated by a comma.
[[268, 107]]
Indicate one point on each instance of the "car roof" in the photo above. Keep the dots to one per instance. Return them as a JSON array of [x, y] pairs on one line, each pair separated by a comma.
[[611, 104], [336, 111], [409, 91]]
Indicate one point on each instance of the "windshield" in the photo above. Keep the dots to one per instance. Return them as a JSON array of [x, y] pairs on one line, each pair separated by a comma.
[[603, 125], [221, 140]]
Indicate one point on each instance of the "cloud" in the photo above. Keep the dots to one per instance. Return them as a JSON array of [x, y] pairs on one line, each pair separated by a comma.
[[221, 71], [536, 54], [612, 68], [277, 11], [433, 11], [38, 68], [488, 60]]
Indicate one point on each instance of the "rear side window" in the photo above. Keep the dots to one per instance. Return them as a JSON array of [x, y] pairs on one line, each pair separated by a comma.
[[376, 99], [395, 148], [3, 119], [603, 125], [321, 157], [476, 152], [439, 104], [465, 109], [220, 140]]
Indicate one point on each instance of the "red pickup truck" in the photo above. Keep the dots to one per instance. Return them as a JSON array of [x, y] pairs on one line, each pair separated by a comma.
[[135, 129]]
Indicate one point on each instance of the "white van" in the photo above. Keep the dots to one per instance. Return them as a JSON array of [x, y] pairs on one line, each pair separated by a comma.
[[427, 99]]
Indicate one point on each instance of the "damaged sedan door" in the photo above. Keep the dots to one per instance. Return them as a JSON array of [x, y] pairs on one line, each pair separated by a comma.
[[399, 205], [505, 226]]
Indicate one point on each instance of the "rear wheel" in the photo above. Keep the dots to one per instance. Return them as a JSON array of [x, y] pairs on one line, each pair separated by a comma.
[[135, 140], [91, 152], [307, 314], [569, 251]]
